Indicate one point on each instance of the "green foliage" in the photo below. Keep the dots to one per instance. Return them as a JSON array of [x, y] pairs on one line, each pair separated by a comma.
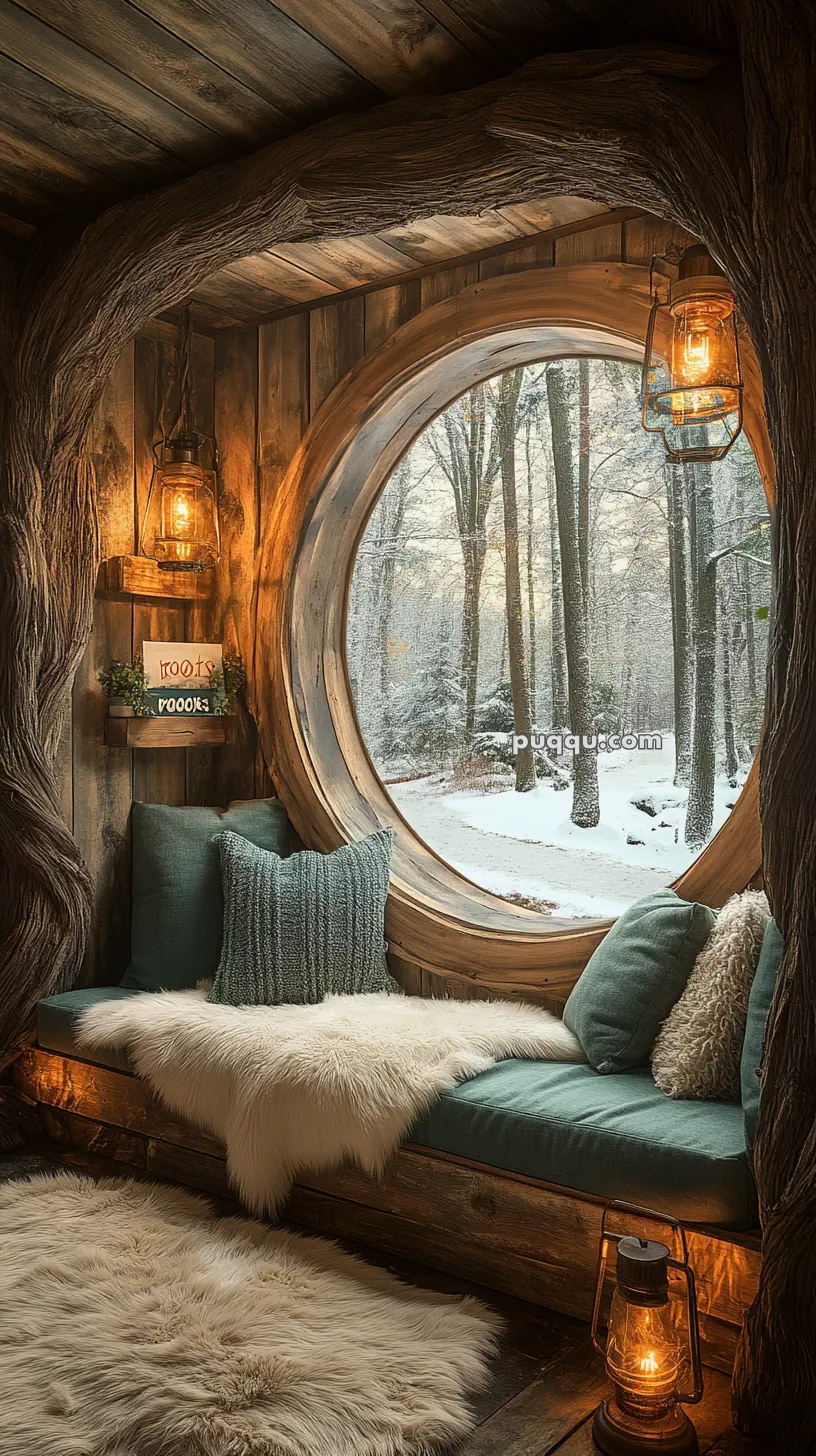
[[495, 715], [435, 729], [126, 680], [228, 683], [761, 614], [606, 713]]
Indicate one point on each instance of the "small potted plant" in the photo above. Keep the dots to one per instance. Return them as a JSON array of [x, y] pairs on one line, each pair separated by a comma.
[[124, 683], [227, 683]]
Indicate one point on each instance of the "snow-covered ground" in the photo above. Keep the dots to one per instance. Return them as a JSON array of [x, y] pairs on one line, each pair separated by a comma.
[[527, 844]]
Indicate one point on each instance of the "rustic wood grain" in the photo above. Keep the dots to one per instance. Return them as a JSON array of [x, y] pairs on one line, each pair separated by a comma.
[[128, 39], [336, 342], [105, 1096], [546, 1412], [387, 309], [65, 63], [217, 776], [392, 48], [164, 734], [140, 576], [268, 53], [103, 786]]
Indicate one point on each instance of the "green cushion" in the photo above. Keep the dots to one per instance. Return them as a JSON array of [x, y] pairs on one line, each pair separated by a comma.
[[297, 929], [58, 1017], [178, 907], [616, 1136], [634, 978], [759, 1004]]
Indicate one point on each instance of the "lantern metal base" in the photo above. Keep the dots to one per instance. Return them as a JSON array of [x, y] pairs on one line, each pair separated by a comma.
[[618, 1434]]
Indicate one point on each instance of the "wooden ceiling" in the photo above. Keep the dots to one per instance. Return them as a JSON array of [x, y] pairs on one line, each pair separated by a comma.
[[103, 99]]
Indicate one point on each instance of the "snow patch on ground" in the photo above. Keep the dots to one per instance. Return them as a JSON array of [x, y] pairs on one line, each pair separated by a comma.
[[527, 844]]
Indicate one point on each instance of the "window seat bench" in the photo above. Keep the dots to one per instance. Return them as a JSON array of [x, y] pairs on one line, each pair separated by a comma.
[[503, 1180]]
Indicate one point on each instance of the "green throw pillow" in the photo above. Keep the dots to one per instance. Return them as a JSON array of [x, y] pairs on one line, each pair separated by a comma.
[[178, 908], [759, 1004], [297, 929], [634, 978]]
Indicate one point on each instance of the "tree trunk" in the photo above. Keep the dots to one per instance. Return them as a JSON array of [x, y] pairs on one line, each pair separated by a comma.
[[471, 633], [583, 483], [585, 801], [506, 424], [700, 809], [532, 630], [396, 502], [681, 633], [731, 756], [559, 715], [48, 557]]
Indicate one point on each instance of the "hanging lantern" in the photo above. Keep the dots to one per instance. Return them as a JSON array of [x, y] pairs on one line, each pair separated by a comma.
[[693, 397], [652, 1347], [181, 530]]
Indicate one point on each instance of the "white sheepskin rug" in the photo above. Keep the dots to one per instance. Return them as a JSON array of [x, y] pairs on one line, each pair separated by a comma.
[[698, 1049], [135, 1322], [291, 1088]]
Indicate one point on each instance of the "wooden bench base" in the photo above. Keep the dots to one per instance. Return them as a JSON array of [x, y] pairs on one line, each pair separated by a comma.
[[511, 1233]]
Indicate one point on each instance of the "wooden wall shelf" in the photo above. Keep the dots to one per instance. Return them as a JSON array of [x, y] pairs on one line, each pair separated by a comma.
[[141, 577], [167, 732]]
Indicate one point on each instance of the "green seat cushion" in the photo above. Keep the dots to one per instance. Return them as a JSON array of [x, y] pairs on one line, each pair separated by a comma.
[[178, 907], [298, 929], [58, 1016], [631, 982], [759, 1004], [617, 1136]]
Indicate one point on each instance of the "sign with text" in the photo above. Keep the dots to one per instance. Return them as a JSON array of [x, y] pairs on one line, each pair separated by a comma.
[[181, 702], [181, 664]]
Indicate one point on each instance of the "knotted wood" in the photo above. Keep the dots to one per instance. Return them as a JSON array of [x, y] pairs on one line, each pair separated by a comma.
[[719, 138]]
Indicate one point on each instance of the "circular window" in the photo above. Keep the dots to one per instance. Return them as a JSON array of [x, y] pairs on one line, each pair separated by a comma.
[[306, 711], [556, 641]]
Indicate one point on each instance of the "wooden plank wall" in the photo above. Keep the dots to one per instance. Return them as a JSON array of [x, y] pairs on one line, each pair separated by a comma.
[[259, 389]]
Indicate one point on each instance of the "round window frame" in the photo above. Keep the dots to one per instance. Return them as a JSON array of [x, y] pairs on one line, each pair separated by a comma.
[[303, 704]]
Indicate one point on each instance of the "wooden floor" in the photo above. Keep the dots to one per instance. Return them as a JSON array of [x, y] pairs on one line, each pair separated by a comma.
[[547, 1379]]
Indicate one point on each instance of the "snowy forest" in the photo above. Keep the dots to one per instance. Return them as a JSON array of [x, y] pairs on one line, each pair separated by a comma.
[[535, 566]]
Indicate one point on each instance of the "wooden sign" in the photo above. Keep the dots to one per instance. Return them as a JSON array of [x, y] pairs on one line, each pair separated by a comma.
[[181, 664]]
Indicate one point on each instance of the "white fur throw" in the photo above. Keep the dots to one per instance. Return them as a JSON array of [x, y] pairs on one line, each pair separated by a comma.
[[136, 1322], [290, 1088], [698, 1048]]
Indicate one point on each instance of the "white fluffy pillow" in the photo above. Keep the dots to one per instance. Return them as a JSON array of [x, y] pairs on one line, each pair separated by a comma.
[[698, 1048]]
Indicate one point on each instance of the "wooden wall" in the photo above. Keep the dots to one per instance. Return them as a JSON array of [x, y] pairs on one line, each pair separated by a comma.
[[258, 388]]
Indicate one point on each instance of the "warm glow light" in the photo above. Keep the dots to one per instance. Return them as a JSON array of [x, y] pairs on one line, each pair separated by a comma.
[[643, 1352], [182, 513]]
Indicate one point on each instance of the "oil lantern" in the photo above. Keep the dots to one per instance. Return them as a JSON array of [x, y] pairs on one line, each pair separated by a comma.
[[181, 520], [652, 1347], [181, 530], [693, 396]]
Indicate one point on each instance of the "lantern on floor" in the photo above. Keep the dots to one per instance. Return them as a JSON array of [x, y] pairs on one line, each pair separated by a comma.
[[181, 530], [652, 1346], [693, 396]]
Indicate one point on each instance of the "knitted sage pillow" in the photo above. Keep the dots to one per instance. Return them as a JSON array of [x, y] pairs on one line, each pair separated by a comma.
[[300, 928]]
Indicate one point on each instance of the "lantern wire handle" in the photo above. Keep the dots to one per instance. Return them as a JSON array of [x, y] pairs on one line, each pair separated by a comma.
[[610, 1240]]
